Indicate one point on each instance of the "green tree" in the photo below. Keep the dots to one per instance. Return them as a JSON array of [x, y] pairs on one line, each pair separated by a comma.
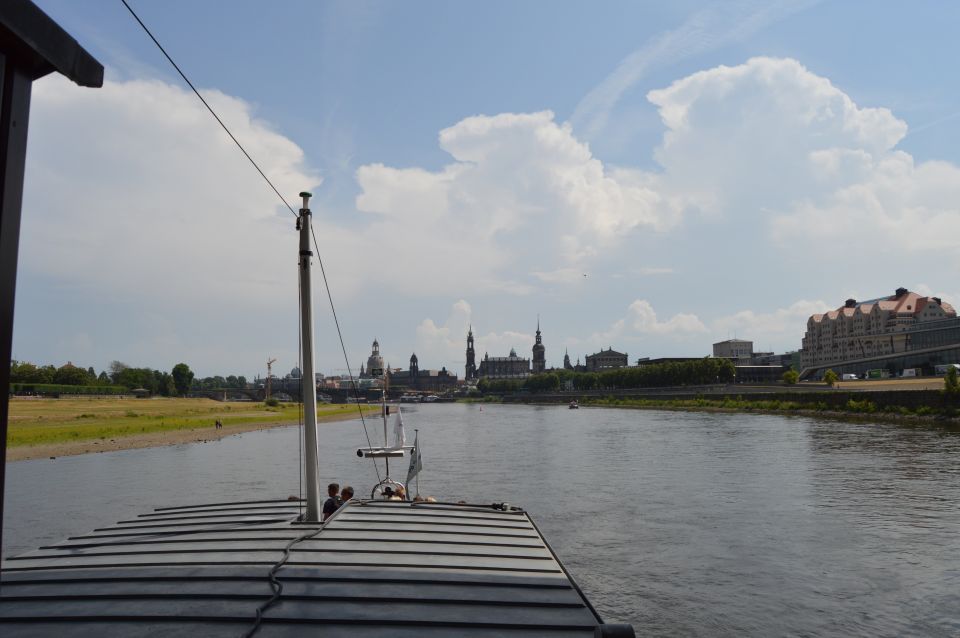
[[790, 377], [116, 369], [830, 378], [69, 374], [182, 378], [951, 382]]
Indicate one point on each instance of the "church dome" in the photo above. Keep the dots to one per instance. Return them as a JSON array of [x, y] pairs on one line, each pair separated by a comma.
[[513, 353], [375, 361]]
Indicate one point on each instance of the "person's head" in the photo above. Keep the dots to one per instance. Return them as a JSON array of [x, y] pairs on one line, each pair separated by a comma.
[[347, 493], [333, 489], [388, 491]]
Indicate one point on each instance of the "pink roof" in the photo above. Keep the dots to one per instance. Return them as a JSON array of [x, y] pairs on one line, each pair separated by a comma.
[[909, 303]]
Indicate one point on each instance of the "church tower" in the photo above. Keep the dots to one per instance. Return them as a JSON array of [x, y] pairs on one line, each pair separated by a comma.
[[539, 352], [566, 361], [471, 371], [414, 371]]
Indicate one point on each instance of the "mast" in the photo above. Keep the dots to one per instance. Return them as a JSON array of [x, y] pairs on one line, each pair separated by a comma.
[[308, 376], [383, 410]]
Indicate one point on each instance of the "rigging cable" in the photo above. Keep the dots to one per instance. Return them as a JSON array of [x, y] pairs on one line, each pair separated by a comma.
[[217, 117], [336, 322], [275, 583], [285, 203], [301, 465]]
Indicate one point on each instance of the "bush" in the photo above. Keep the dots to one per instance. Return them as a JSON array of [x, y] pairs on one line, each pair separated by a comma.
[[861, 406], [790, 377], [951, 384], [271, 402], [830, 378]]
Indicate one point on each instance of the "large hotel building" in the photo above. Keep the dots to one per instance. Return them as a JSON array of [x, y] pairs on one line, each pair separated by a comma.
[[902, 331]]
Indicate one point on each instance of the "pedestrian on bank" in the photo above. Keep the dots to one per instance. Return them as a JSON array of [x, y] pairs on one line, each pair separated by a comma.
[[333, 501]]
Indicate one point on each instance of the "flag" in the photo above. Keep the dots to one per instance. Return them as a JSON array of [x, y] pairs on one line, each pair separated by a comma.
[[399, 438], [416, 464]]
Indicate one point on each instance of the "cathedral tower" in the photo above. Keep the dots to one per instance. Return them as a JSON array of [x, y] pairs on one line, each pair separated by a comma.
[[539, 353], [414, 370], [471, 371]]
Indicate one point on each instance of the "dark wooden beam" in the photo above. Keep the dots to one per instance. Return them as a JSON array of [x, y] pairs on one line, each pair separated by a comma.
[[38, 45], [31, 46]]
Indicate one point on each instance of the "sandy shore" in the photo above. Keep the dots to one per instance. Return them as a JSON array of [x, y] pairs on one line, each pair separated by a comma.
[[154, 439]]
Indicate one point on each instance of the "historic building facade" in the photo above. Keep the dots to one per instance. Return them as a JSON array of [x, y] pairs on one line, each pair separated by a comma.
[[901, 331], [427, 380], [509, 367], [606, 360]]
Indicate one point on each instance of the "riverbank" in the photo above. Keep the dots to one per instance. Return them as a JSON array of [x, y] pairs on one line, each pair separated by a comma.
[[863, 410], [893, 406], [44, 428]]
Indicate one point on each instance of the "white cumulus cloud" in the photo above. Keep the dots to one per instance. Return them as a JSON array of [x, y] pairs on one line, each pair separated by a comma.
[[521, 195], [135, 199], [779, 326]]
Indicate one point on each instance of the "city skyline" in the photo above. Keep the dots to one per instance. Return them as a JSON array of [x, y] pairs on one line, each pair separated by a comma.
[[652, 178]]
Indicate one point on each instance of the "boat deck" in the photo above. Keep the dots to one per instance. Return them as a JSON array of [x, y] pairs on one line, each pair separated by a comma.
[[374, 569]]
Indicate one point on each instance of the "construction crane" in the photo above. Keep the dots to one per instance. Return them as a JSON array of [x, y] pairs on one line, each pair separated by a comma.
[[270, 363]]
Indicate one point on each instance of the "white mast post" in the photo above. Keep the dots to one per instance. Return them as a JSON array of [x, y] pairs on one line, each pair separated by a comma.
[[307, 375]]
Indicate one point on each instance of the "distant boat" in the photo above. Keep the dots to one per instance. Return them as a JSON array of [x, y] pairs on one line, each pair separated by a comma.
[[574, 405]]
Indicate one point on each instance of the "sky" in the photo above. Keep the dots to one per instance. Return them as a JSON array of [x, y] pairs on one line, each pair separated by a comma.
[[652, 177]]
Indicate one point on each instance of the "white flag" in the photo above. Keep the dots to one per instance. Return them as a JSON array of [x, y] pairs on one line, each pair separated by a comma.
[[399, 438], [415, 463]]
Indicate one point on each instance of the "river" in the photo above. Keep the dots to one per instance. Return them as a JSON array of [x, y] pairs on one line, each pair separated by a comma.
[[683, 524]]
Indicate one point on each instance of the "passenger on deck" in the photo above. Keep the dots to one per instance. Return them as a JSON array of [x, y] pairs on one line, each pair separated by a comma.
[[345, 495], [333, 502], [401, 493]]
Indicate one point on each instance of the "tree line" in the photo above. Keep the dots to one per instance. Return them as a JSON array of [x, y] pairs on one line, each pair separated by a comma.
[[178, 382], [700, 372]]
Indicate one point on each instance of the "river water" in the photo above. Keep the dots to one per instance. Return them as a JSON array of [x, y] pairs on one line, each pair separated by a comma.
[[683, 524]]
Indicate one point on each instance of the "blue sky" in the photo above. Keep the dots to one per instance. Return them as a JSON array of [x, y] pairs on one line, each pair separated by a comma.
[[649, 176]]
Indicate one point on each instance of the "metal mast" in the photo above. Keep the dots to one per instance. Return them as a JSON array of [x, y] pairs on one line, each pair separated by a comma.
[[270, 363], [308, 376]]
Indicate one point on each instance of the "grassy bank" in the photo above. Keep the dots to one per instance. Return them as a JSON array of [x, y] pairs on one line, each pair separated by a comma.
[[49, 421], [853, 408]]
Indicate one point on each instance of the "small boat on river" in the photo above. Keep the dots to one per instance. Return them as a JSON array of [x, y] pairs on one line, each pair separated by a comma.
[[574, 405]]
